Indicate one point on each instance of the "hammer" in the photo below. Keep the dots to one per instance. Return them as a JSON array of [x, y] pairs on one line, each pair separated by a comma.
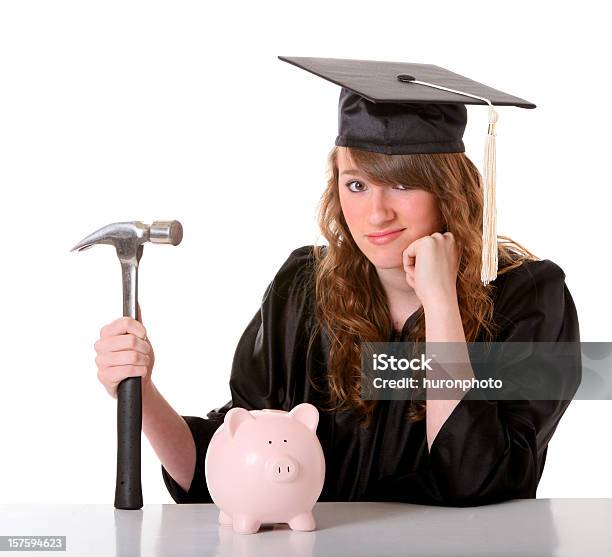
[[128, 239]]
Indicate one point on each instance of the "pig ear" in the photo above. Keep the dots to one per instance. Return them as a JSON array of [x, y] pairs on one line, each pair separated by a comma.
[[233, 419], [306, 414]]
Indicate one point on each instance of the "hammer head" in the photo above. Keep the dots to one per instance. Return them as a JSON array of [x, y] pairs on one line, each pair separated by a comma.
[[128, 237]]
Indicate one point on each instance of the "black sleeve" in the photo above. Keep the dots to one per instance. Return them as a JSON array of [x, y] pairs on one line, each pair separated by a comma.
[[494, 450], [261, 375]]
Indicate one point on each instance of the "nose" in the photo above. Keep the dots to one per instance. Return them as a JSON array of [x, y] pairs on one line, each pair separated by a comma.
[[283, 469], [380, 210]]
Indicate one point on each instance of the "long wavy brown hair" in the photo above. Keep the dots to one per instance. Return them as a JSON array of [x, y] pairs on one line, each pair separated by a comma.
[[351, 304]]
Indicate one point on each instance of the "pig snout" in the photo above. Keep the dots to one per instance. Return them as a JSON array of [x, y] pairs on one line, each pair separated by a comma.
[[283, 469]]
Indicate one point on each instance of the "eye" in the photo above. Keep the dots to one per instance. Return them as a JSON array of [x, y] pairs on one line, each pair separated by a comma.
[[285, 440], [270, 442], [359, 186]]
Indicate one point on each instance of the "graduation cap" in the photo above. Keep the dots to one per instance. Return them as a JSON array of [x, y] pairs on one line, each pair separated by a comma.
[[398, 108]]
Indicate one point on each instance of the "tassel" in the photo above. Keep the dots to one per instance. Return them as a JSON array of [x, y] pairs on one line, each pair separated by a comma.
[[488, 271]]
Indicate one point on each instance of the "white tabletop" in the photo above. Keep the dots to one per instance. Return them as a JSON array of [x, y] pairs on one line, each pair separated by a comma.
[[520, 527]]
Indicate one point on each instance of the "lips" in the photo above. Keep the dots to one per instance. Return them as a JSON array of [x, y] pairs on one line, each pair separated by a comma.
[[384, 237]]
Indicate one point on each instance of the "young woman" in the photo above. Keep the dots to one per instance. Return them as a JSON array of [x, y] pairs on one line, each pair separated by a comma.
[[402, 263]]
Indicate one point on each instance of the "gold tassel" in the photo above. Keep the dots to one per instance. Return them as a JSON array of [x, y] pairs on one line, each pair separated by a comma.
[[488, 271]]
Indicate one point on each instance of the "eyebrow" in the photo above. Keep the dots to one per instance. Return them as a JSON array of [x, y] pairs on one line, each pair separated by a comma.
[[352, 171]]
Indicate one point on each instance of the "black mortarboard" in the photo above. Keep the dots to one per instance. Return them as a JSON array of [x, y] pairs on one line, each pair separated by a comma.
[[398, 108]]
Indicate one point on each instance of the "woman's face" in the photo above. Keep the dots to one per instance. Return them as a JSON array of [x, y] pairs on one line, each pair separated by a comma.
[[401, 215]]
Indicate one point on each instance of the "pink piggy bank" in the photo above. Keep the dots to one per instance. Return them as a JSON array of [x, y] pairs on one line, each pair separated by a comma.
[[266, 466]]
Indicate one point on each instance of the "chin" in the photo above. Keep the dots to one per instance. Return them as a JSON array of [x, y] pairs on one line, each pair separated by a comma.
[[385, 260]]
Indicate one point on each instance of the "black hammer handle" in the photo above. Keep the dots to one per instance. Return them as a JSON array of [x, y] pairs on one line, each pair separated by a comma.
[[128, 491]]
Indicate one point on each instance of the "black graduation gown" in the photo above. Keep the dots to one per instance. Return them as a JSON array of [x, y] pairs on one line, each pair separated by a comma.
[[486, 451]]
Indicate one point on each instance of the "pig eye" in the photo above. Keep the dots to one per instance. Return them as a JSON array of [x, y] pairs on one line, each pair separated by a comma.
[[270, 442], [285, 440]]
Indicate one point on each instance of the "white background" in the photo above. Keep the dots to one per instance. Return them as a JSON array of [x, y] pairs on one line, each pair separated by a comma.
[[114, 111]]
